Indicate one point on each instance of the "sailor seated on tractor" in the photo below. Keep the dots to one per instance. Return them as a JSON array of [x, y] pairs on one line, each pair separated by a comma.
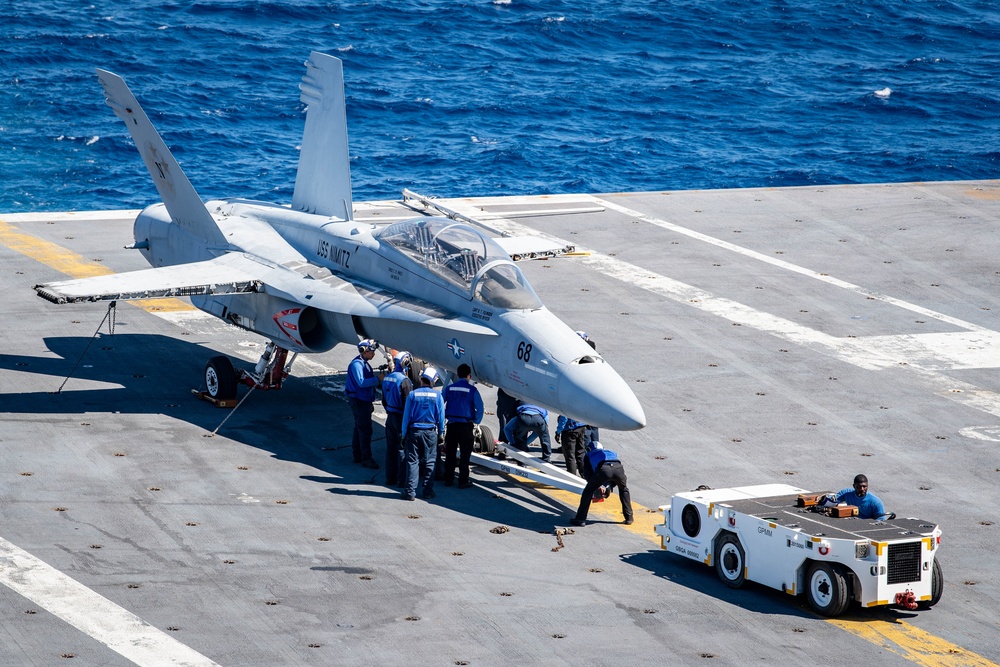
[[869, 505]]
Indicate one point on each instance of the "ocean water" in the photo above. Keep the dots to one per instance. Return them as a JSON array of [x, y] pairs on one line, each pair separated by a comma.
[[502, 97]]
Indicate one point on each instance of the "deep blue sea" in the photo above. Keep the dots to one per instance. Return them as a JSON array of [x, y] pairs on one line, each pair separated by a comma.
[[502, 97]]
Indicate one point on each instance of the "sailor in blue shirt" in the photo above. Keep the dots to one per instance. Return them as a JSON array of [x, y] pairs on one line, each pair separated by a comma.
[[529, 422], [395, 388], [423, 423], [360, 391], [572, 435], [463, 409], [602, 468], [869, 505]]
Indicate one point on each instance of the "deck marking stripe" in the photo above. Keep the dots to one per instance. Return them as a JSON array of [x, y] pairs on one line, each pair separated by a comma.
[[93, 614], [871, 353], [73, 265], [50, 254], [788, 266], [901, 638], [912, 643]]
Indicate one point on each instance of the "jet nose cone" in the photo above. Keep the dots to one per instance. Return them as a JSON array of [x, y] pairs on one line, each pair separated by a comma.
[[594, 393]]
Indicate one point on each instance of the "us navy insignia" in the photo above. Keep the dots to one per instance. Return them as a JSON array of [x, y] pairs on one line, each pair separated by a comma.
[[456, 349]]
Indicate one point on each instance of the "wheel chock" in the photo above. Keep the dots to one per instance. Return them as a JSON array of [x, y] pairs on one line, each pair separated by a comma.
[[217, 402]]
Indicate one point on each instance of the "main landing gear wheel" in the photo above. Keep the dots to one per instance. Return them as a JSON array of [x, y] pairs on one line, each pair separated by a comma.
[[484, 442], [827, 589], [730, 560], [937, 586], [220, 378]]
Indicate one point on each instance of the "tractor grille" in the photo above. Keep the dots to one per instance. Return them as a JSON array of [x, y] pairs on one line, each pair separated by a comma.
[[904, 563]]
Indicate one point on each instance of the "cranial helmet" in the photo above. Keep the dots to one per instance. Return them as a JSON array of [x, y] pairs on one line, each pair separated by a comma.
[[402, 359], [368, 344], [583, 335], [594, 445], [430, 374]]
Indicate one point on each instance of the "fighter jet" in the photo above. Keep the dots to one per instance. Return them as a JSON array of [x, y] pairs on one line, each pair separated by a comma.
[[307, 277]]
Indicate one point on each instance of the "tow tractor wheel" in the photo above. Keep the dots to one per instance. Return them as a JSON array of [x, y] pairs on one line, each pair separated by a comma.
[[220, 378], [937, 586], [484, 441], [730, 560], [827, 589]]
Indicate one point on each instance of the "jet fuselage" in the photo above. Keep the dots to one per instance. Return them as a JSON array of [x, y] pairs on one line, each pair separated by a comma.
[[441, 290]]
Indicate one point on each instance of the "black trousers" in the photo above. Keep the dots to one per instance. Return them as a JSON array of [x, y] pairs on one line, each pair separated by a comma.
[[458, 439], [574, 449], [395, 459], [506, 408], [361, 438], [608, 473]]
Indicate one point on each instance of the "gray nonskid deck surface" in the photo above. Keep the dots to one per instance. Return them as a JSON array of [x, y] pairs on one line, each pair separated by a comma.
[[798, 335]]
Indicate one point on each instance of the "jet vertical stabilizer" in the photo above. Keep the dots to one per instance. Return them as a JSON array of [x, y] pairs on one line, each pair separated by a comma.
[[183, 204], [323, 181]]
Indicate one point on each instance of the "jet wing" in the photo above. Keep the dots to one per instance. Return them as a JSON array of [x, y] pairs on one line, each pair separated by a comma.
[[229, 274], [531, 247], [235, 273]]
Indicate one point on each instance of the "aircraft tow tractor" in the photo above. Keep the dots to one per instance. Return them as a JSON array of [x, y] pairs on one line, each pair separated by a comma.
[[768, 534]]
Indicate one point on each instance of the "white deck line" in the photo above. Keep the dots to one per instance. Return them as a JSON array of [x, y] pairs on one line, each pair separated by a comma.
[[120, 630], [788, 266], [876, 353]]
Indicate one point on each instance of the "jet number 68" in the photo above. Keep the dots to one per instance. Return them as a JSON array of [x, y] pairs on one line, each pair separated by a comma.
[[524, 351]]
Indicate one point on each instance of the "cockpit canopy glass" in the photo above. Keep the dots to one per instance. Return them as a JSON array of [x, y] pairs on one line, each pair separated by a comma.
[[459, 254]]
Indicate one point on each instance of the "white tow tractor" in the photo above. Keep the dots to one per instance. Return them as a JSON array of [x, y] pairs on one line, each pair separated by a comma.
[[764, 534]]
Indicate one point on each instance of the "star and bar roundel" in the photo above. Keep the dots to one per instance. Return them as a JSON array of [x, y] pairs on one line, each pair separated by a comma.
[[456, 348]]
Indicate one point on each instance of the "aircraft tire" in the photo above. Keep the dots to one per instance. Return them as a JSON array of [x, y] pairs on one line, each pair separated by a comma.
[[937, 586], [484, 443], [417, 367], [827, 590], [220, 378], [730, 560]]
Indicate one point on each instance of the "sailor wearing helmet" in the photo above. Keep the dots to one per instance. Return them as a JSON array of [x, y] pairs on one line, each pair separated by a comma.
[[395, 388], [423, 424], [360, 392]]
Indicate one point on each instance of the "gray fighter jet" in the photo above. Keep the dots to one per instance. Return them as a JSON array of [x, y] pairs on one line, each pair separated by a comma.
[[308, 277]]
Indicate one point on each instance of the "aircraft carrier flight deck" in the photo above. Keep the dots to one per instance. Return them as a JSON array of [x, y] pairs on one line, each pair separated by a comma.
[[790, 335]]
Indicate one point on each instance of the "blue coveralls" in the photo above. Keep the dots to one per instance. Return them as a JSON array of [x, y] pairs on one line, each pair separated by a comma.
[[533, 420], [360, 391], [423, 421], [869, 507], [395, 388], [463, 408]]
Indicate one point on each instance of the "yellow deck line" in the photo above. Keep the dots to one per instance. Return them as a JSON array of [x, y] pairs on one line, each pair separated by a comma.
[[73, 265], [897, 637], [912, 643]]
